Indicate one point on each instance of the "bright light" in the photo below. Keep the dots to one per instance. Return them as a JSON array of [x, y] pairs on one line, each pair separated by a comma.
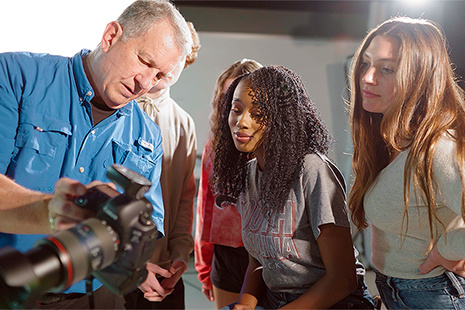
[[415, 3], [61, 27]]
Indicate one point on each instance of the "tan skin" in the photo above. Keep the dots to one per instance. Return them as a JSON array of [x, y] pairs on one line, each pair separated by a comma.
[[221, 297], [124, 70], [23, 211], [334, 242]]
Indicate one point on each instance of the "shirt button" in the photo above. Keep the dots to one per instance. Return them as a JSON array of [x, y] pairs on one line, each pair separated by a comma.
[[80, 98], [89, 93], [81, 169], [93, 132]]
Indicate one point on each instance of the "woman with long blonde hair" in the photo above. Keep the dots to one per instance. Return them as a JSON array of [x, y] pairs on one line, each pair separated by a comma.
[[408, 127]]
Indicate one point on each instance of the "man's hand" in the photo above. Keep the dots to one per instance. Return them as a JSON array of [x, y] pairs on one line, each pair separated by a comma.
[[436, 259], [63, 213], [152, 289]]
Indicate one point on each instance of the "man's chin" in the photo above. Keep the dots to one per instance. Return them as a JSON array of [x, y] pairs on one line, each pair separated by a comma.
[[118, 104]]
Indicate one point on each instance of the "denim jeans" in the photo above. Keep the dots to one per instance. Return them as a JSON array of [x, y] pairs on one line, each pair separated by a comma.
[[442, 292]]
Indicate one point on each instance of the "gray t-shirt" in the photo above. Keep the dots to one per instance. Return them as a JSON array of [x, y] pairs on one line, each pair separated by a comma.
[[285, 244]]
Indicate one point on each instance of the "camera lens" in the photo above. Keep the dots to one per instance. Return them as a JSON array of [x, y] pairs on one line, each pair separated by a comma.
[[89, 246]]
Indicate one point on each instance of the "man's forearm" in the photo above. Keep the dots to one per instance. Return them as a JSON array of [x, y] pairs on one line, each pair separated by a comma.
[[22, 210]]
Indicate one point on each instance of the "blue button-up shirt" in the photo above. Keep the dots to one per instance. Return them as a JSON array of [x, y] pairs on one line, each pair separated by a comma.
[[47, 131]]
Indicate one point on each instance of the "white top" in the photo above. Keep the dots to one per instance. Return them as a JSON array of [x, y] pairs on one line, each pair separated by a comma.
[[397, 250], [177, 177]]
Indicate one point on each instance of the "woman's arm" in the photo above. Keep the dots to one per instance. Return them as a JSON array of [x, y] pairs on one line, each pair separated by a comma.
[[253, 286], [335, 244], [203, 259], [203, 249], [448, 250]]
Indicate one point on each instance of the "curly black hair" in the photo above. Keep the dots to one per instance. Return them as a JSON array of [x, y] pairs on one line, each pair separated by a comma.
[[293, 128]]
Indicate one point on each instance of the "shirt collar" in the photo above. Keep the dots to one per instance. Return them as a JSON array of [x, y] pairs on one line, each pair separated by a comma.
[[85, 91]]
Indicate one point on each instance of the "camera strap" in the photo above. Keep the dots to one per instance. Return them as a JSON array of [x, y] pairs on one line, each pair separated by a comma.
[[89, 291]]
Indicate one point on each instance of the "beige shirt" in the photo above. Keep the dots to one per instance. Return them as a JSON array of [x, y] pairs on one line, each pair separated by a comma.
[[398, 250], [177, 177]]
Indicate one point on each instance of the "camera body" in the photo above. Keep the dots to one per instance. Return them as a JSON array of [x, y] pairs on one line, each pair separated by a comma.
[[114, 246]]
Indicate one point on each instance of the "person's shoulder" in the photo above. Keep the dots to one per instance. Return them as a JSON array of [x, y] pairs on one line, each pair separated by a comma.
[[446, 149], [31, 66], [181, 113], [252, 164], [317, 165], [446, 167], [29, 56], [18, 58], [315, 162], [314, 158], [139, 116], [447, 141], [19, 55]]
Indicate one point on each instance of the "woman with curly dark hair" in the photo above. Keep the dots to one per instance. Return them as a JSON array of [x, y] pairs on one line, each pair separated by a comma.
[[220, 257], [271, 158]]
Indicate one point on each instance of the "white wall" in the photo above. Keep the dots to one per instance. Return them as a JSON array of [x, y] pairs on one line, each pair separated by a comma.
[[61, 27]]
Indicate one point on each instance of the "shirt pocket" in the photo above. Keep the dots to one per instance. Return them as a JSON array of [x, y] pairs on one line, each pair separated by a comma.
[[134, 158], [39, 151], [43, 136]]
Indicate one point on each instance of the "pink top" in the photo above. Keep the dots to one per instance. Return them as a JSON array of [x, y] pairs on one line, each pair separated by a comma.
[[215, 225]]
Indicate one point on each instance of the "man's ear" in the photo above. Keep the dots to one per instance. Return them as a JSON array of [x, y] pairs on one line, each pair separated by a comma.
[[113, 32]]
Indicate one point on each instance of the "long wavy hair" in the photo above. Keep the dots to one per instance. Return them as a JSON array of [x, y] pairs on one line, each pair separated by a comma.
[[428, 104], [235, 70], [292, 129]]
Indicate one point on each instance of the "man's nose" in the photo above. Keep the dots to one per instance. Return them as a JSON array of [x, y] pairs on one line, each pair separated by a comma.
[[147, 80]]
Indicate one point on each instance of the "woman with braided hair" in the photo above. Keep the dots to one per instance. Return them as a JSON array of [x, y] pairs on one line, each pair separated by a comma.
[[271, 161]]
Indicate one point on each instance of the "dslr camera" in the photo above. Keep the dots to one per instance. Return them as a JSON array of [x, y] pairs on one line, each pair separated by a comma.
[[114, 246]]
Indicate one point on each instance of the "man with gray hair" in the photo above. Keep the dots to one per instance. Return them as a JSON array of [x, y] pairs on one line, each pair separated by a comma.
[[74, 117]]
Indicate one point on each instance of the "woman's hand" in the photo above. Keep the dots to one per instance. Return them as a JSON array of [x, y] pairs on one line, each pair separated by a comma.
[[436, 259], [209, 294], [242, 307]]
